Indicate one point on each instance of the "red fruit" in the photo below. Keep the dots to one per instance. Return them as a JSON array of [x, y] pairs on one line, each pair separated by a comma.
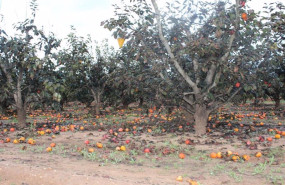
[[127, 141], [111, 131], [237, 85], [187, 142], [134, 132], [146, 150], [12, 129], [242, 3], [269, 85], [232, 32], [87, 142]]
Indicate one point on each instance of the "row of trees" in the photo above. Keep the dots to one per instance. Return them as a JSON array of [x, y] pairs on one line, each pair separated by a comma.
[[195, 55]]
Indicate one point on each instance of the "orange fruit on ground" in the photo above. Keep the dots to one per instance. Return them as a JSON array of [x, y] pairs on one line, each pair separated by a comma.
[[48, 149], [16, 141], [283, 133], [192, 182], [22, 139], [219, 155], [269, 139], [179, 178], [181, 155], [235, 158], [7, 140], [229, 153], [99, 145], [258, 154], [246, 157], [236, 129], [52, 145], [277, 136], [187, 142], [123, 148], [81, 128], [91, 150], [213, 155]]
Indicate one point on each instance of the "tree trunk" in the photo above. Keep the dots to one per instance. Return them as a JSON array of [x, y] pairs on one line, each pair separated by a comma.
[[21, 110], [277, 103], [201, 119], [97, 99], [141, 102], [21, 113]]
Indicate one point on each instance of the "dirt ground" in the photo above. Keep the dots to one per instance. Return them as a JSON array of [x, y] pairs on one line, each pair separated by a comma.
[[69, 163], [33, 166]]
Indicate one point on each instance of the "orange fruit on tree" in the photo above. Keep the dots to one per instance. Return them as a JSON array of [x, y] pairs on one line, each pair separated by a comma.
[[244, 16], [277, 136], [213, 155], [181, 155], [258, 154]]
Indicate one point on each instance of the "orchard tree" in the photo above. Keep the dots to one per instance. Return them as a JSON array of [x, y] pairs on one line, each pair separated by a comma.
[[271, 68], [21, 65], [86, 66], [200, 44]]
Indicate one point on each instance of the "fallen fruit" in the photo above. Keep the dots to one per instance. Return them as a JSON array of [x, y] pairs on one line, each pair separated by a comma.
[[48, 149], [258, 154], [179, 178], [123, 148], [91, 150], [99, 145], [181, 155], [213, 155], [146, 150], [277, 136]]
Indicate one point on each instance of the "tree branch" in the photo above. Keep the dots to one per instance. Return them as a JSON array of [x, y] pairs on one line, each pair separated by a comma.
[[232, 37], [168, 49]]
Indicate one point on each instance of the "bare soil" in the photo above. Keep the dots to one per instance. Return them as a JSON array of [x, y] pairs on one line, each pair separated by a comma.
[[70, 163]]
